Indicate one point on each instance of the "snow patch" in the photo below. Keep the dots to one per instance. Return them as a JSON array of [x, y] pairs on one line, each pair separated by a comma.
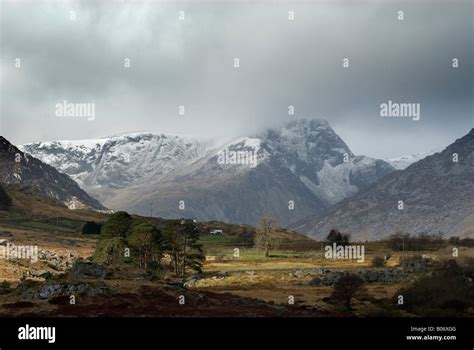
[[334, 184], [403, 162]]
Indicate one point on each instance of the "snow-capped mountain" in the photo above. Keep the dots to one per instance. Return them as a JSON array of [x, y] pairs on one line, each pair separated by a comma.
[[321, 160], [403, 162], [437, 196], [288, 173], [26, 172], [103, 166]]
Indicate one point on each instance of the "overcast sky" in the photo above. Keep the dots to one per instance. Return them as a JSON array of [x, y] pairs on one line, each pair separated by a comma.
[[282, 63]]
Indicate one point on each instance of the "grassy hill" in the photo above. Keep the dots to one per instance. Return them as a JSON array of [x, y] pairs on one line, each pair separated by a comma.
[[32, 211], [243, 237]]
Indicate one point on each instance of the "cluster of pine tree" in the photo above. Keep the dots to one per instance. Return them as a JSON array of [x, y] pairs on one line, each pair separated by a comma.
[[125, 238], [181, 242], [337, 237]]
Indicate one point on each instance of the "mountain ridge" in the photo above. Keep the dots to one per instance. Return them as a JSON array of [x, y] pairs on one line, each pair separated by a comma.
[[437, 194], [304, 161]]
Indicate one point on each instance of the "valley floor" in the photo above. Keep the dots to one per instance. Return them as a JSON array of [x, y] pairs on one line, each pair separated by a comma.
[[248, 285]]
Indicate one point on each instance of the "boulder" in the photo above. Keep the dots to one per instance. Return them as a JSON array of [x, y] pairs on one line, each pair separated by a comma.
[[316, 282], [415, 264], [222, 274], [48, 291], [42, 274], [370, 275], [297, 273], [82, 269], [192, 280]]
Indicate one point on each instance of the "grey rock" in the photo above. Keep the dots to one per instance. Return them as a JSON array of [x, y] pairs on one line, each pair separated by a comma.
[[191, 281], [42, 274], [413, 265], [48, 291], [372, 275], [83, 269], [297, 273]]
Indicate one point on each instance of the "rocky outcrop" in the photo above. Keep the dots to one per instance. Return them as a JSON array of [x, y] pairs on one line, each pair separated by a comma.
[[83, 269], [50, 290], [381, 275]]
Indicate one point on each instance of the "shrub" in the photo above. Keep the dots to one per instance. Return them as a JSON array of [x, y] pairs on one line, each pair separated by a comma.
[[347, 288], [449, 268], [117, 226], [5, 285], [91, 228], [246, 237], [446, 293], [378, 261]]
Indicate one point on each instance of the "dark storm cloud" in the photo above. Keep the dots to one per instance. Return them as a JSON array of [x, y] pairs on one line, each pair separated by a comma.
[[282, 63]]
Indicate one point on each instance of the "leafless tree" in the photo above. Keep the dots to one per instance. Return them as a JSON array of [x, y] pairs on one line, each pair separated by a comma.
[[265, 238]]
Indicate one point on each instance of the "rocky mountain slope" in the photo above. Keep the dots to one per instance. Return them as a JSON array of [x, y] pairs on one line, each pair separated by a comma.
[[288, 173], [22, 171], [437, 195], [103, 166]]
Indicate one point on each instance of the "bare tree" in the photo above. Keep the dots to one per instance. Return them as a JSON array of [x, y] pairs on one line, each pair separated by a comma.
[[265, 238]]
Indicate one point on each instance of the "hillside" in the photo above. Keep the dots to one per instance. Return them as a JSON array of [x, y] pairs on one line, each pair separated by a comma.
[[437, 195], [37, 206], [25, 172]]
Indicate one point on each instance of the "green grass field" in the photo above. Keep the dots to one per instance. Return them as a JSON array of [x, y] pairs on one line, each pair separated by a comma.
[[45, 224]]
